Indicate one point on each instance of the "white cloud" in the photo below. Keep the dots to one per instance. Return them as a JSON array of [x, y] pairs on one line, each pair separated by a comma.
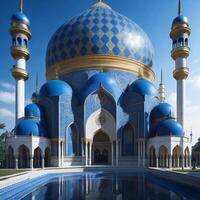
[[195, 81], [7, 97], [4, 113], [7, 86]]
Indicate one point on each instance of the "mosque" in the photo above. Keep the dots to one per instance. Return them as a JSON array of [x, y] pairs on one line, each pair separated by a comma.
[[99, 105]]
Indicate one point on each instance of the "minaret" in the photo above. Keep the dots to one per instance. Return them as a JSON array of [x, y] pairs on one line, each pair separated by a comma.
[[20, 33], [161, 89], [179, 34], [35, 95]]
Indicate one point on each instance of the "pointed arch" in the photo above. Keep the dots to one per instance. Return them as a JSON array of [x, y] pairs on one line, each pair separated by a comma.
[[72, 141], [176, 156], [128, 140], [152, 156], [23, 156], [163, 156], [10, 157], [47, 157], [37, 158]]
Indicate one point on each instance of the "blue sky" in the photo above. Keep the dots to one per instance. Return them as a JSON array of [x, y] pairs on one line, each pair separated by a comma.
[[154, 16]]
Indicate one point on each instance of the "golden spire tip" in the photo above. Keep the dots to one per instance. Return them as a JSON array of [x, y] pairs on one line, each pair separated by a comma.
[[179, 7], [21, 6]]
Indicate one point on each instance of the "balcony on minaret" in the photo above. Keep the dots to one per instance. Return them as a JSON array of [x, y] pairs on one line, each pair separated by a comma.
[[19, 73]]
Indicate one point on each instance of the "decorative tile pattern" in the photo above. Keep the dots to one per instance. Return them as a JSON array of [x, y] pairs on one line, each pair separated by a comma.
[[99, 30]]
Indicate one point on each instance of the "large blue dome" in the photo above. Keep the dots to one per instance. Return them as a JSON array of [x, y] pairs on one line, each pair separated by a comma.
[[143, 87], [55, 88], [99, 30], [103, 80]]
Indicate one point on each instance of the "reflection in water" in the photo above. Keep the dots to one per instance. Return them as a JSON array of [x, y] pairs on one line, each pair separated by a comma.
[[101, 186]]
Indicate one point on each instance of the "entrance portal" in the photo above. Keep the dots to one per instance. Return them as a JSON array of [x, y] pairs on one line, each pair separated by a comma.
[[101, 149]]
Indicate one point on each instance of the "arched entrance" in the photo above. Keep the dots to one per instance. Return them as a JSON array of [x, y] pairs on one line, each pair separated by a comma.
[[24, 156], [152, 157], [37, 159], [47, 157], [101, 148], [163, 156], [176, 156], [10, 157]]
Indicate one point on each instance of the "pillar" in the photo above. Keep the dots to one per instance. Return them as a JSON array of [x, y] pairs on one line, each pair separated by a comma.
[[170, 161], [42, 161], [144, 154], [82, 150], [86, 153], [16, 161], [138, 153], [117, 152], [90, 153], [157, 161], [31, 161], [112, 154]]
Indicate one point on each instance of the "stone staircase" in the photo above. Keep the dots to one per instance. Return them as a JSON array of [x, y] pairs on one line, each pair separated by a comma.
[[128, 161]]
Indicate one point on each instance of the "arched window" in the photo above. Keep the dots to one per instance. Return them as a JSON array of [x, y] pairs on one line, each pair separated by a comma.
[[128, 140], [72, 141], [180, 42], [25, 43], [14, 41], [19, 41], [37, 158], [174, 44], [186, 42]]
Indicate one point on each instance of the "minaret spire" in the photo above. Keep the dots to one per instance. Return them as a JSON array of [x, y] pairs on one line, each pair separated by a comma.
[[161, 88], [179, 7], [21, 6]]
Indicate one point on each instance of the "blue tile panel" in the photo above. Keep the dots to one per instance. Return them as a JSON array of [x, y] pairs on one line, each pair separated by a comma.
[[99, 30]]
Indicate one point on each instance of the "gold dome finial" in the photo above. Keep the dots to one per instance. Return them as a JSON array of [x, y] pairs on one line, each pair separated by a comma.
[[161, 88], [21, 6], [179, 7]]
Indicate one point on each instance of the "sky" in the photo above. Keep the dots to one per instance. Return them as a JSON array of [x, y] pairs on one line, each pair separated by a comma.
[[153, 16]]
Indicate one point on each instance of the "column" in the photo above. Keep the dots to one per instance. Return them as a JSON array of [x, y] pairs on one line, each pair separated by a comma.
[[190, 161], [144, 154], [31, 162], [86, 153], [138, 153], [156, 161], [43, 161], [183, 161], [82, 150], [170, 161], [117, 152], [16, 161], [90, 154], [112, 154]]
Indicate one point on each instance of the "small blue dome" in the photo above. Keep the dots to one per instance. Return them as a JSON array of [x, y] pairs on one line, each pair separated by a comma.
[[103, 80], [180, 20], [162, 110], [55, 88], [35, 94], [169, 127], [143, 87], [21, 17], [31, 127], [34, 110]]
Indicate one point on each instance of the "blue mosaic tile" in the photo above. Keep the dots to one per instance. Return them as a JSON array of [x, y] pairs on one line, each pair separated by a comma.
[[99, 30]]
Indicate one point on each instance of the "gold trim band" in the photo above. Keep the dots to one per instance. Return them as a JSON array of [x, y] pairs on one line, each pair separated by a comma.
[[18, 52], [181, 73], [180, 52], [19, 73], [100, 62]]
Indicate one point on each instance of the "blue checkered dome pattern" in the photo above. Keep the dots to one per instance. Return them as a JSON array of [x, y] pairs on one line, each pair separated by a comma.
[[99, 30]]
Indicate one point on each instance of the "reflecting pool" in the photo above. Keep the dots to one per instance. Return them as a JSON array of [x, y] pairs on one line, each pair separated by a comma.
[[102, 186]]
